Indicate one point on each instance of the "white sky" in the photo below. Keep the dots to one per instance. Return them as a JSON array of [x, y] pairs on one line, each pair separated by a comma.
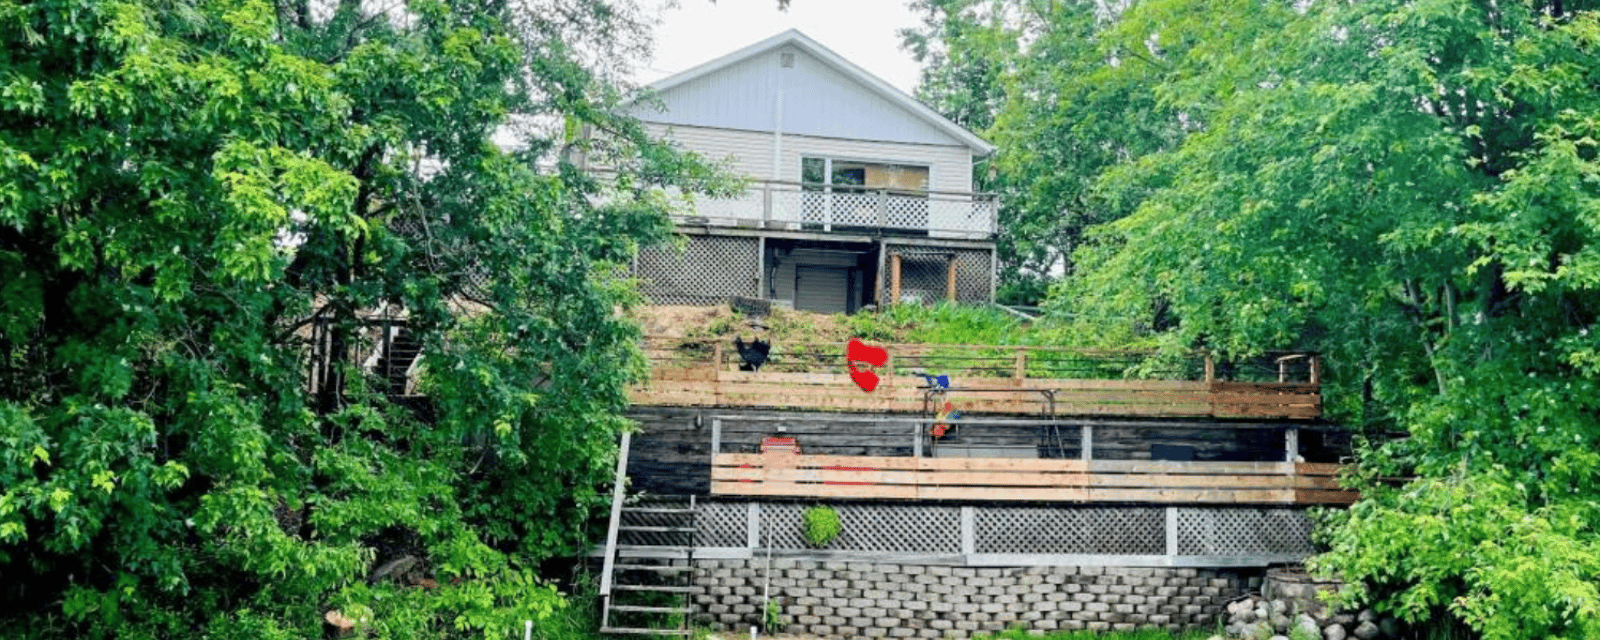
[[861, 31]]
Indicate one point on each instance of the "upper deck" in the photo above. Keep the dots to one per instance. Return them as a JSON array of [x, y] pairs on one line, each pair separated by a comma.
[[793, 206], [1007, 380]]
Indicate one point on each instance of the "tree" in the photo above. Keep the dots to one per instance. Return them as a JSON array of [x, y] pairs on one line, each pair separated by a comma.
[[1412, 188], [191, 193], [1047, 83]]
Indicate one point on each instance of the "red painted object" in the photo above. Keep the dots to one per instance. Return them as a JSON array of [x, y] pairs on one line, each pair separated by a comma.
[[857, 351], [848, 469]]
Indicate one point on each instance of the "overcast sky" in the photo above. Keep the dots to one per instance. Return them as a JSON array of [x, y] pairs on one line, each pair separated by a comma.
[[861, 31]]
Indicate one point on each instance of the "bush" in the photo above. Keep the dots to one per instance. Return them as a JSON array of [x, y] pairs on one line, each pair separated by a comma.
[[822, 525]]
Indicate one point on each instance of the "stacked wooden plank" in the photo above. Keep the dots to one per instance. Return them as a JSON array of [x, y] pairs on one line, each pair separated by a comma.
[[1005, 479], [708, 386]]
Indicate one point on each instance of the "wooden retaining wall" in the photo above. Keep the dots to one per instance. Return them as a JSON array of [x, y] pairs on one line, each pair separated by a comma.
[[998, 479]]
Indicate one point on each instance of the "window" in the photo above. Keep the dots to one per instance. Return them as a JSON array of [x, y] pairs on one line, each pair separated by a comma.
[[860, 194]]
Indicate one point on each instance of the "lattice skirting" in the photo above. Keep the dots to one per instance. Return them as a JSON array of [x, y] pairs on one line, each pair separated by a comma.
[[923, 273], [708, 270], [1159, 536]]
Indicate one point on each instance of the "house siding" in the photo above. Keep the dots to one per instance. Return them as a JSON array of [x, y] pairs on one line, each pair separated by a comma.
[[949, 166], [816, 100]]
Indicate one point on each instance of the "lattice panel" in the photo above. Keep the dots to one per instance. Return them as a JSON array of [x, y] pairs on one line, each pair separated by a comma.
[[722, 524], [855, 209], [923, 273], [956, 214], [706, 272], [1243, 531], [904, 212], [868, 527], [1106, 530]]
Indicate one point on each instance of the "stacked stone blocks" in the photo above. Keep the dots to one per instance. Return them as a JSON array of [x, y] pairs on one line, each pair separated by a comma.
[[886, 600]]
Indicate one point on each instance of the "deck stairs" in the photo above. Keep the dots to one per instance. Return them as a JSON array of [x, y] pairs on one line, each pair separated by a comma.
[[647, 583]]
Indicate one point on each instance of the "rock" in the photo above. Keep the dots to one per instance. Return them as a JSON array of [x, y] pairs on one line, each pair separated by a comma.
[[1246, 614], [1279, 606], [336, 625], [1280, 637], [1389, 627], [1333, 632], [1366, 615], [1261, 611], [1344, 619], [1215, 638], [1366, 630], [1308, 627], [393, 567], [1280, 623]]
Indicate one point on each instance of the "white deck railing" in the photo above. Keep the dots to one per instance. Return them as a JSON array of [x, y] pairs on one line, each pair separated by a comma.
[[791, 206]]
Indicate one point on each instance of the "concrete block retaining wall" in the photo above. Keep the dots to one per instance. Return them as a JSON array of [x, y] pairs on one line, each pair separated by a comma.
[[887, 600]]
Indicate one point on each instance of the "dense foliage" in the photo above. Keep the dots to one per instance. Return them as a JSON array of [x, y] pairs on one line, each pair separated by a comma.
[[1411, 187], [190, 192]]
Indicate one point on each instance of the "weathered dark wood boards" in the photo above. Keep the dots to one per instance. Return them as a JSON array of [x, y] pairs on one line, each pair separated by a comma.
[[1010, 479]]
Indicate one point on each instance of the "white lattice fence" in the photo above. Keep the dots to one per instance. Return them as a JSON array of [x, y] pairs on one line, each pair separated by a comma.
[[1086, 530], [707, 271], [1018, 533], [870, 527], [722, 524], [1243, 531]]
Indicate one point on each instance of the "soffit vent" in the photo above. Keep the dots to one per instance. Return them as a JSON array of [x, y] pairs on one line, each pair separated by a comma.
[[786, 59]]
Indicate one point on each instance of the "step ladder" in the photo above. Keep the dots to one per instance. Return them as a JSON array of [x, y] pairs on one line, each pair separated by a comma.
[[647, 583]]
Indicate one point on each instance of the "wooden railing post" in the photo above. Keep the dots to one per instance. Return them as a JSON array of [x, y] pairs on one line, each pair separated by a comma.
[[616, 514], [1211, 369], [883, 208], [1021, 370], [766, 204], [1088, 442]]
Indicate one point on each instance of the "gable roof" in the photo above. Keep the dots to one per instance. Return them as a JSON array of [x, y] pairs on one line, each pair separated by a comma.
[[876, 85]]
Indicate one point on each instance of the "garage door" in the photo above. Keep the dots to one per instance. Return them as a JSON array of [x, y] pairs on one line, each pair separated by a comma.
[[821, 289]]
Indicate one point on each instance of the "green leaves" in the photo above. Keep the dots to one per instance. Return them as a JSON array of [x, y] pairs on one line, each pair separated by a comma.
[[203, 207], [1410, 188]]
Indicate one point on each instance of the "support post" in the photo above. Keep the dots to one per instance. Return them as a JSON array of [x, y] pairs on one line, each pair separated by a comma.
[[894, 279], [1088, 442], [950, 279], [1172, 531], [1021, 371], [753, 526], [877, 283], [1291, 446], [716, 439], [761, 267], [1316, 369], [616, 515], [1211, 369], [969, 531], [916, 439]]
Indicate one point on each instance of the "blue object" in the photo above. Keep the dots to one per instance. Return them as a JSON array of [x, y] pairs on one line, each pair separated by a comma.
[[941, 381]]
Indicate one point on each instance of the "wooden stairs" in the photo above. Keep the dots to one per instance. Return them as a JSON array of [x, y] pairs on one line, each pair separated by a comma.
[[647, 583]]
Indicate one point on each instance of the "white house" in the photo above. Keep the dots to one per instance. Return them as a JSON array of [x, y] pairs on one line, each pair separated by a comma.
[[859, 193]]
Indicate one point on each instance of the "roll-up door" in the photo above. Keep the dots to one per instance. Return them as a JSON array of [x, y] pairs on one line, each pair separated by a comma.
[[821, 289]]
